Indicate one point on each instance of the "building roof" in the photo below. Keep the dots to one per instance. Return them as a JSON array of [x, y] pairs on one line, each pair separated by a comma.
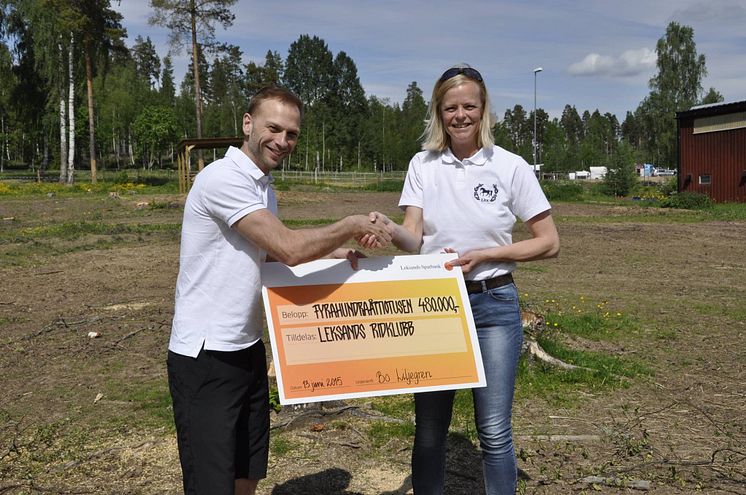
[[713, 109]]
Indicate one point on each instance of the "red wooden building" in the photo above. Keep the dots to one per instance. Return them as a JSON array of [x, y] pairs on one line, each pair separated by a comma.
[[712, 151]]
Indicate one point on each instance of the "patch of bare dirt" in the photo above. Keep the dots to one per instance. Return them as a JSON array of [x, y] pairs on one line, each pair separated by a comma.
[[72, 407]]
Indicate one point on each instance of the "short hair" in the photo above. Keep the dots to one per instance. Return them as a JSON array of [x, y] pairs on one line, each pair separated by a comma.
[[435, 137], [274, 93]]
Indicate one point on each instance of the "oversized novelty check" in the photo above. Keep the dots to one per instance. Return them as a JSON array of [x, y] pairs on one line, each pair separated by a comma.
[[398, 324]]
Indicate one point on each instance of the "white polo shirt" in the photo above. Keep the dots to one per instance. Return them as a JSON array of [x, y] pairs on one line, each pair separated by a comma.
[[472, 204], [218, 290]]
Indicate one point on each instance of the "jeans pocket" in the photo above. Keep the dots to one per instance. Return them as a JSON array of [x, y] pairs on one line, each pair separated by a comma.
[[506, 293]]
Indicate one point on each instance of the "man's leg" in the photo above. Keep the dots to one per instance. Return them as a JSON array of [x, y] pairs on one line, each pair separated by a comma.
[[208, 395], [245, 487], [252, 447]]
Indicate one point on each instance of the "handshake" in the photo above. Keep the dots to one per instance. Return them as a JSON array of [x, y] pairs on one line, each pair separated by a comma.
[[375, 231]]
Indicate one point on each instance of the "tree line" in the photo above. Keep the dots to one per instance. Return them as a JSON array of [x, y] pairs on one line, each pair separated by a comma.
[[72, 92]]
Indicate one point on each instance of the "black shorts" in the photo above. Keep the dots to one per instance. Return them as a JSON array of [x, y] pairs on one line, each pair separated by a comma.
[[221, 410]]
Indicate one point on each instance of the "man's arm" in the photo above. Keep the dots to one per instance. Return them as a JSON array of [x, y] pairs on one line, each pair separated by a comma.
[[298, 246]]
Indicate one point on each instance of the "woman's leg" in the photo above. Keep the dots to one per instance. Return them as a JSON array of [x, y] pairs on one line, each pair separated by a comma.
[[432, 418], [500, 333]]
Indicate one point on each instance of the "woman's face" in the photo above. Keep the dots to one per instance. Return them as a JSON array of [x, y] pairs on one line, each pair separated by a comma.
[[461, 113]]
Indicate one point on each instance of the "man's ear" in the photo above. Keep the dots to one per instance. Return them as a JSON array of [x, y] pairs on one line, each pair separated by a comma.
[[247, 123]]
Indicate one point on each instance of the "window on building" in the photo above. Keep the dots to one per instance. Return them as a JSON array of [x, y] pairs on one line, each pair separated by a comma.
[[719, 123], [705, 180]]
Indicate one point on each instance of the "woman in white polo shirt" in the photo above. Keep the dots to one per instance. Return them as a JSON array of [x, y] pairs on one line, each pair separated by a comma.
[[463, 194]]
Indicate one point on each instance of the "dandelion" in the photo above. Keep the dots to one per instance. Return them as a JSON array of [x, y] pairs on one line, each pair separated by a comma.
[[556, 325], [619, 314]]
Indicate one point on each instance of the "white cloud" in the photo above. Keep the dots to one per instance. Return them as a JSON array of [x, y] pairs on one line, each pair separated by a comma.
[[630, 63]]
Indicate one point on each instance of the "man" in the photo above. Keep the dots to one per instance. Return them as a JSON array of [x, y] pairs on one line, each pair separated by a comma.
[[216, 360]]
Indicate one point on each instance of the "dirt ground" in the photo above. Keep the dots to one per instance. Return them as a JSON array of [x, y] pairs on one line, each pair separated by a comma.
[[76, 412]]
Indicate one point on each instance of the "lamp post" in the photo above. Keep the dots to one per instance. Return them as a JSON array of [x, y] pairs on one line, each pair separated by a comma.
[[536, 71]]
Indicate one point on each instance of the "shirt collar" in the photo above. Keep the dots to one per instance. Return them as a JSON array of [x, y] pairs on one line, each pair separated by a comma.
[[478, 158], [245, 162]]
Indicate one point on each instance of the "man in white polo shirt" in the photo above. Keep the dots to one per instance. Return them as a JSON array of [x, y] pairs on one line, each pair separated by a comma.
[[216, 360]]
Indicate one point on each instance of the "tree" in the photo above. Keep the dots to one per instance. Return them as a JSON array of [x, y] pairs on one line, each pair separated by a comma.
[[309, 73], [147, 63], [348, 107], [225, 97], [414, 113], [261, 76], [712, 96], [621, 176], [168, 89], [153, 128], [676, 87], [99, 30], [32, 31], [193, 20], [520, 130], [309, 69], [7, 86]]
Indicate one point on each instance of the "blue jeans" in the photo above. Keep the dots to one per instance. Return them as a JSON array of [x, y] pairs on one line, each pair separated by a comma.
[[498, 321]]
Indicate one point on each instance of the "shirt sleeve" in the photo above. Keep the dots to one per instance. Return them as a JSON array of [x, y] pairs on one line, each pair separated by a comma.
[[528, 199], [231, 195], [411, 194]]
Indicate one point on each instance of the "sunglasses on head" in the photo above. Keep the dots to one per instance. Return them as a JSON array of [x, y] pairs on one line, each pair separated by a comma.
[[467, 71]]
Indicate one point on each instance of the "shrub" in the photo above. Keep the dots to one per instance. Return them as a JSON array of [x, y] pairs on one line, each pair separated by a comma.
[[562, 190], [385, 185], [670, 186], [688, 201]]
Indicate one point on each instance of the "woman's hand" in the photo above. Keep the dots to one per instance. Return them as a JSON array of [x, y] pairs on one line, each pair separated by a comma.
[[467, 261], [369, 241]]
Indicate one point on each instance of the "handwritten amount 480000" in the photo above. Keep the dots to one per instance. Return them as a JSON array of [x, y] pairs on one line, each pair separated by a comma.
[[438, 304]]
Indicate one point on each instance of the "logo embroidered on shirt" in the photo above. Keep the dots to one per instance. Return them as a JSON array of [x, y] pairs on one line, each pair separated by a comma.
[[484, 194]]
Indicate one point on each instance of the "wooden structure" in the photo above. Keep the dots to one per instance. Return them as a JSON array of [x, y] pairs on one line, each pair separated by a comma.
[[183, 155], [712, 151]]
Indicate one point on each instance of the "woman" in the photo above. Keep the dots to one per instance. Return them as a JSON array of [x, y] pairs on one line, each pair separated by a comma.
[[462, 194]]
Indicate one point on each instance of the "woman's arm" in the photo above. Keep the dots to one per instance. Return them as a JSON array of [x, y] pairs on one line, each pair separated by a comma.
[[544, 243], [407, 236]]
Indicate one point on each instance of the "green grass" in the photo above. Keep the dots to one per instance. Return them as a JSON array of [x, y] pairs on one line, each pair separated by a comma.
[[150, 403], [76, 230], [142, 186], [380, 433], [603, 326], [563, 387], [280, 445], [594, 322], [735, 313], [395, 406], [652, 213], [27, 244]]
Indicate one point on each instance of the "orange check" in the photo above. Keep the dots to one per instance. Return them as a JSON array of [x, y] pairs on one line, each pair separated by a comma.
[[398, 324]]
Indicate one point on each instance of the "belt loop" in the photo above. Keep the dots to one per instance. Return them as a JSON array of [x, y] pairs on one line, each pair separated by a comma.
[[483, 283]]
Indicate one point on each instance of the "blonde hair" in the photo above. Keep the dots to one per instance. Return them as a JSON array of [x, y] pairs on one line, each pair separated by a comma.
[[435, 137]]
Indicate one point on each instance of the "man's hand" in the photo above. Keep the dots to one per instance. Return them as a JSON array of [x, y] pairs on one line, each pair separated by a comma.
[[370, 241], [352, 255]]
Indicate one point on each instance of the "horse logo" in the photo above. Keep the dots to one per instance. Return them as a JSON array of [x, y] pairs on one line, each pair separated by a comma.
[[485, 194]]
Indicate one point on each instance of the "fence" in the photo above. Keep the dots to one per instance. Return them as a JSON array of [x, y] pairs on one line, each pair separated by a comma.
[[349, 179]]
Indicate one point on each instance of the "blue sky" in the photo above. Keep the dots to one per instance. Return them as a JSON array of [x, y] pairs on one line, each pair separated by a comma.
[[595, 54]]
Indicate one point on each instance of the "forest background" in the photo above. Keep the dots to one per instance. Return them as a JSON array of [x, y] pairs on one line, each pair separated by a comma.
[[73, 92]]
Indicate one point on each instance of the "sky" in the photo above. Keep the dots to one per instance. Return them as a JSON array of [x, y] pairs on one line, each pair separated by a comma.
[[595, 54]]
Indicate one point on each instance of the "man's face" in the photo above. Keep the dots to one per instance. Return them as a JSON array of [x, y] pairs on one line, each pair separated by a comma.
[[272, 133]]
